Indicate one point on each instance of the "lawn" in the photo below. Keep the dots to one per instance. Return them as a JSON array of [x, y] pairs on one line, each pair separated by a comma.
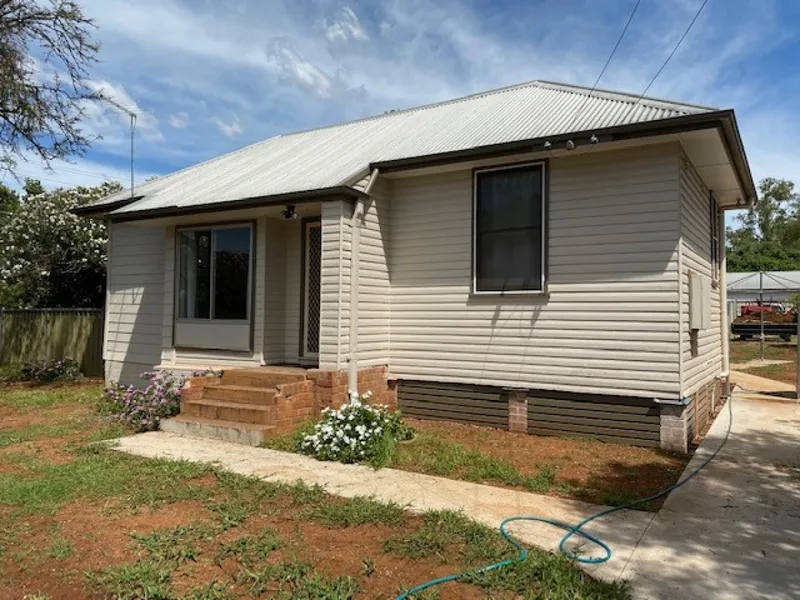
[[747, 350], [80, 520], [579, 468]]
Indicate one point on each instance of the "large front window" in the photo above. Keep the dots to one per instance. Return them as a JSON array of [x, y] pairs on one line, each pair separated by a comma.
[[214, 267], [509, 229]]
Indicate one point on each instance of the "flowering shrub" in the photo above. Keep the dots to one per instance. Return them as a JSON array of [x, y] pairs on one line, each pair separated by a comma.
[[47, 371], [356, 432], [142, 409]]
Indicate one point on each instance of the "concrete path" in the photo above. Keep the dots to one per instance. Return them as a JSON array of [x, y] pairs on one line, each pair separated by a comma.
[[487, 504], [733, 532], [757, 362]]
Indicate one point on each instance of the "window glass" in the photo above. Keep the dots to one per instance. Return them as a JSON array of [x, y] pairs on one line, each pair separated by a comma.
[[509, 229], [231, 272], [194, 288]]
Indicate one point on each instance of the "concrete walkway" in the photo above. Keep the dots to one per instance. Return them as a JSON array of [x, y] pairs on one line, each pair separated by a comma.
[[486, 504], [757, 362], [733, 532]]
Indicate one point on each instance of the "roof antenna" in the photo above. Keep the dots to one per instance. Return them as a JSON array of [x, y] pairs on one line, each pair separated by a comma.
[[132, 115]]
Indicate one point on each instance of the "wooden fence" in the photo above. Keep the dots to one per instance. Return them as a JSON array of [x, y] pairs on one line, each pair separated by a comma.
[[53, 333]]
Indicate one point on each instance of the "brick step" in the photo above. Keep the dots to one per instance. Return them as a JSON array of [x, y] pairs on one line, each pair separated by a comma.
[[239, 393], [229, 431], [238, 412], [263, 378]]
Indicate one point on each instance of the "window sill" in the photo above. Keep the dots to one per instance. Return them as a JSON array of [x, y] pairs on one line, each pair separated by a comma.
[[516, 294]]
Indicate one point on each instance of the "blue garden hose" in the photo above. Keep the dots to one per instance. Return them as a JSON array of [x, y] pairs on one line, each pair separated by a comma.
[[572, 530]]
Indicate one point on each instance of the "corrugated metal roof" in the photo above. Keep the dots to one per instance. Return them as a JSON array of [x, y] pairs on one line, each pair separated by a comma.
[[339, 154], [773, 281]]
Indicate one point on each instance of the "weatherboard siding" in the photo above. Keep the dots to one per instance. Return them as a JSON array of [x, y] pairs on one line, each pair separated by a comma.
[[334, 343], [609, 322], [374, 290], [135, 301], [701, 351]]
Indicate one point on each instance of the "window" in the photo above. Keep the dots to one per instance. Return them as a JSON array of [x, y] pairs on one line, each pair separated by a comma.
[[214, 273], [715, 235], [509, 223]]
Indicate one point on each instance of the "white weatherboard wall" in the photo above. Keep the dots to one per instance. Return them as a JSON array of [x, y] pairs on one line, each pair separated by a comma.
[[701, 350], [374, 292], [610, 322], [134, 310], [334, 336]]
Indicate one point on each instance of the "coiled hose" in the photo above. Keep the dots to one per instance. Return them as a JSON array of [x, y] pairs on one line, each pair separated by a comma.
[[572, 530]]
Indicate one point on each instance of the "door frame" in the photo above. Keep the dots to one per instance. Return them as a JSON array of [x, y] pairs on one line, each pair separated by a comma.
[[307, 224]]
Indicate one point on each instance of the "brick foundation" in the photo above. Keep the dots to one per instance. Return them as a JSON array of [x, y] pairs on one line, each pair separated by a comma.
[[674, 434], [330, 388], [518, 410]]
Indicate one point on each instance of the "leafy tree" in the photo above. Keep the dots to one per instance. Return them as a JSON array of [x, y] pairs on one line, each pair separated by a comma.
[[9, 202], [49, 256], [33, 187], [45, 52], [769, 236]]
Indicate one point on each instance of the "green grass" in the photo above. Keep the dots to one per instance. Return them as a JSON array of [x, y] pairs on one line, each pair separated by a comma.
[[445, 530], [211, 591], [250, 549], [100, 473], [429, 454], [10, 372], [291, 441], [357, 511], [60, 548], [177, 545], [747, 350], [296, 580], [9, 437], [47, 396], [145, 580]]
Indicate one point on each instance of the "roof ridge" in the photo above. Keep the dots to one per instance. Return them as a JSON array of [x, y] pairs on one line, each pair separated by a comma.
[[616, 94]]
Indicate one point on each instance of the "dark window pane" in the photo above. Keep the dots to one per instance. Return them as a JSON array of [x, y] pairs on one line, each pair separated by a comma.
[[509, 260], [509, 229], [194, 286], [510, 199], [232, 271]]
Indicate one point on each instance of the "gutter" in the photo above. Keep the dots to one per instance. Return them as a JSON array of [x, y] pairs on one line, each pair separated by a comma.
[[722, 120], [355, 259], [318, 195]]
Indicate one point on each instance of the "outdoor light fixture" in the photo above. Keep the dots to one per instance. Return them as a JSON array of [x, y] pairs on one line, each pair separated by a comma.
[[289, 212]]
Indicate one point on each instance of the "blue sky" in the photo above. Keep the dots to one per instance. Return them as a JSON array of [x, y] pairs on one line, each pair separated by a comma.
[[208, 77]]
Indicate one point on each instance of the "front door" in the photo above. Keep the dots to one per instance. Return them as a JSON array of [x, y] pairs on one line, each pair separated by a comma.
[[312, 263]]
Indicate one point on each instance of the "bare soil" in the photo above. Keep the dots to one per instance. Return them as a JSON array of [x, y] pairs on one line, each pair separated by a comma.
[[587, 470]]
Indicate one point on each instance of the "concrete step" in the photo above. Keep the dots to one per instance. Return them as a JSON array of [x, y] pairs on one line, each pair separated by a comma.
[[227, 431], [238, 412], [266, 377], [239, 393]]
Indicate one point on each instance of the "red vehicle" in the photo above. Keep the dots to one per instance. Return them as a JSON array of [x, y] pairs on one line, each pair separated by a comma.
[[748, 310]]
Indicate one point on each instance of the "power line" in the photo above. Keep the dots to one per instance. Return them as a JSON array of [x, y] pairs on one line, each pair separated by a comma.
[[671, 54], [605, 66]]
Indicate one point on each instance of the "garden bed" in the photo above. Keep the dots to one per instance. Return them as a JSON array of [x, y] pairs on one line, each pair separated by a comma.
[[83, 521]]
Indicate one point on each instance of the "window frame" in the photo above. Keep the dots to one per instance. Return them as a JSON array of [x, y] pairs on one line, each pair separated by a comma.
[[716, 234], [212, 227], [542, 289]]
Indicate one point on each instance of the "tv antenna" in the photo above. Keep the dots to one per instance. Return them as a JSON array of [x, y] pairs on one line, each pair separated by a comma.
[[132, 116]]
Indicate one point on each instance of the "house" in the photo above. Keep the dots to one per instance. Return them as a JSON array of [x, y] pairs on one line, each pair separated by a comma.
[[540, 257]]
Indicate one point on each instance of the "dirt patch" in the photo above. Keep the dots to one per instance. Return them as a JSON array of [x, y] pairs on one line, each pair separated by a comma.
[[79, 383], [785, 372], [16, 419], [585, 469]]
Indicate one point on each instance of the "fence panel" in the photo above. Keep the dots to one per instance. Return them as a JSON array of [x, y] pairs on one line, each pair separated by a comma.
[[53, 333]]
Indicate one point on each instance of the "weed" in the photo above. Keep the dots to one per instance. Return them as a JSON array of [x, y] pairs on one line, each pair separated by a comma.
[[173, 545], [60, 548], [429, 594], [302, 493], [291, 441], [231, 513], [108, 432], [9, 437], [46, 396], [368, 566], [359, 510], [142, 580], [294, 580], [448, 530], [211, 591], [249, 549]]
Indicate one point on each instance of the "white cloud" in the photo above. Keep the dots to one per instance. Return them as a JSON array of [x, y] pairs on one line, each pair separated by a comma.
[[104, 118], [294, 68], [179, 120], [346, 26], [231, 129]]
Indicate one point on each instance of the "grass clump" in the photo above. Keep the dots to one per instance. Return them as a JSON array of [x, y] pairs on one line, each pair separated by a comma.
[[148, 580], [60, 548], [359, 510], [295, 580], [211, 591], [429, 454], [176, 545], [250, 549], [445, 530]]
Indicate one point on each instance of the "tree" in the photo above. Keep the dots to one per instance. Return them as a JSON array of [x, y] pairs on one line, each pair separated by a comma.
[[45, 52], [50, 257], [769, 236], [9, 202], [33, 187]]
